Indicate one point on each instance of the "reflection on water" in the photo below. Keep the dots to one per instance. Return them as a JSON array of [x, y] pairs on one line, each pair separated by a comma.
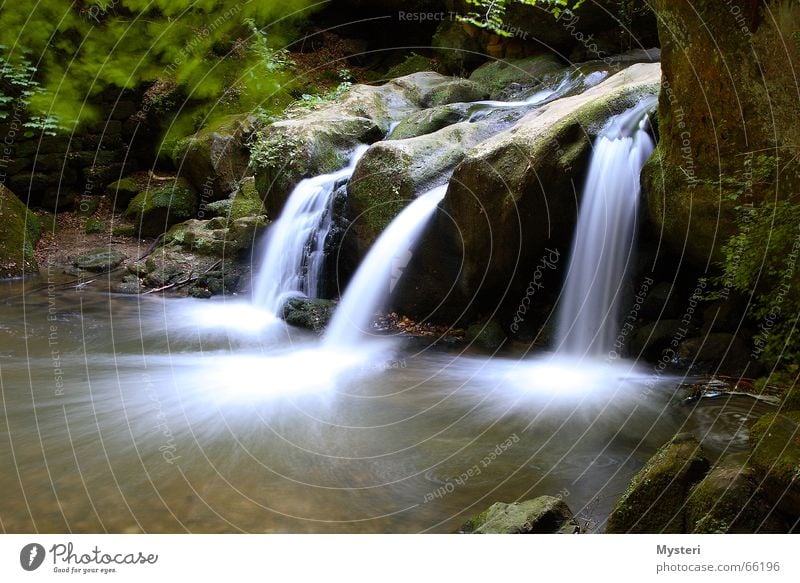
[[127, 414]]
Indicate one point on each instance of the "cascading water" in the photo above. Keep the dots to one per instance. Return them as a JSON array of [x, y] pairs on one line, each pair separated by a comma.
[[379, 272], [295, 244], [588, 318]]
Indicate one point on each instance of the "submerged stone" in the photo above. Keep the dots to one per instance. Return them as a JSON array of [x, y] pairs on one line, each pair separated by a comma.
[[542, 515]]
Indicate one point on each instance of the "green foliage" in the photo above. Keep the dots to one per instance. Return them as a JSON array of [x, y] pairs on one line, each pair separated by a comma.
[[766, 250], [205, 55], [490, 14], [311, 101], [18, 87]]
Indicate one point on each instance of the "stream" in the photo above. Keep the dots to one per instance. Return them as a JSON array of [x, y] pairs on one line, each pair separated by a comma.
[[144, 414]]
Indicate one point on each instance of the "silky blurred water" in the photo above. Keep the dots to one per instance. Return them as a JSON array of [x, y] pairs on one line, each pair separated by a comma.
[[128, 414]]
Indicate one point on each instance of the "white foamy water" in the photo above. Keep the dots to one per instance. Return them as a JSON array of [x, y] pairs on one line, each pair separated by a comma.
[[379, 272], [295, 245], [588, 318]]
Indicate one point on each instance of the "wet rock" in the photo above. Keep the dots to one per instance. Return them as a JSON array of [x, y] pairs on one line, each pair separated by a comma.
[[542, 515], [215, 283], [218, 236], [715, 149], [99, 260], [311, 314], [776, 459], [18, 236], [122, 192], [154, 211], [430, 120], [655, 499], [393, 172], [414, 63], [516, 194], [319, 141], [727, 500], [216, 158], [130, 284], [242, 202], [498, 76]]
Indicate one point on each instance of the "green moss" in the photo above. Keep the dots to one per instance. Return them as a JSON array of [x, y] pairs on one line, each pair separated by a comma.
[[413, 63], [776, 448], [654, 500], [18, 236], [542, 515], [94, 226], [530, 71], [156, 209], [123, 186], [123, 231]]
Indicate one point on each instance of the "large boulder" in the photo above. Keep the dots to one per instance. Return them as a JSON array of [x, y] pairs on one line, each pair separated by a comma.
[[99, 260], [728, 500], [18, 236], [776, 459], [156, 209], [320, 140], [498, 75], [655, 501], [430, 120], [220, 236], [394, 172], [728, 118], [216, 158], [542, 515], [516, 194]]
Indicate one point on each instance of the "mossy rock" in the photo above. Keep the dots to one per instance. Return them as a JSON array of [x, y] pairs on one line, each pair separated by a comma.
[[87, 205], [516, 194], [655, 500], [243, 202], [155, 210], [99, 260], [791, 400], [455, 50], [124, 231], [215, 159], [488, 336], [18, 236], [93, 226], [498, 76], [429, 121], [542, 515], [311, 314], [218, 236], [727, 500], [394, 172], [413, 63], [776, 459], [456, 91], [122, 192]]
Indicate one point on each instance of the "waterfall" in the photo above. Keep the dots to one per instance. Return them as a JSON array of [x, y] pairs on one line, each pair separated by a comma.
[[295, 245], [588, 318], [380, 271]]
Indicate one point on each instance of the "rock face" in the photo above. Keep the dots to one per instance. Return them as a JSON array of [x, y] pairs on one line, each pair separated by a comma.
[[155, 210], [516, 193], [393, 172], [776, 459], [218, 236], [320, 141], [655, 500], [18, 236], [727, 118], [309, 314], [727, 500], [500, 76], [99, 260], [542, 515], [215, 159]]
